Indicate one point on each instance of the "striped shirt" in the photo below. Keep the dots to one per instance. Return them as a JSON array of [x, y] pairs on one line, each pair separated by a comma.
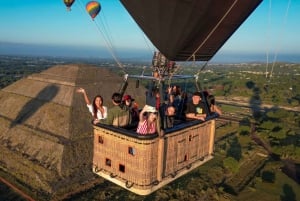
[[143, 128]]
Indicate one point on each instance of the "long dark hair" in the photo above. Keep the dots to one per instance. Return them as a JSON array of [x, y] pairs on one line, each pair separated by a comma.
[[95, 107], [211, 100]]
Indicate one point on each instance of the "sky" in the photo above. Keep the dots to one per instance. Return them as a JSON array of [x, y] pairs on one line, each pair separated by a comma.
[[46, 28]]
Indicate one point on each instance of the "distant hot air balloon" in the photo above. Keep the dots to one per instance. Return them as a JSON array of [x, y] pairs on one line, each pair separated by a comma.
[[69, 3], [93, 8]]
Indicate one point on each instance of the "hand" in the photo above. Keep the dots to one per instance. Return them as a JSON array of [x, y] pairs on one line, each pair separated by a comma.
[[95, 121], [80, 90], [201, 117]]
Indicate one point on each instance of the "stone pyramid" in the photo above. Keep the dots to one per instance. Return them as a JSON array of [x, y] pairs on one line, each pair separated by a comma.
[[46, 136]]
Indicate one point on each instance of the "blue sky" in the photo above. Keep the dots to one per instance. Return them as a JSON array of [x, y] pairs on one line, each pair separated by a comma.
[[45, 27]]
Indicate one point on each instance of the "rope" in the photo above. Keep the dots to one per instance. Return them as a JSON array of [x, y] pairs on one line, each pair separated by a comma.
[[197, 74], [106, 29], [147, 43], [268, 37], [213, 30], [172, 74], [204, 41], [105, 36], [280, 37], [110, 48]]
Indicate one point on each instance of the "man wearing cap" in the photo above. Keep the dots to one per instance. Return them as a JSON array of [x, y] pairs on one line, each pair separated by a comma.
[[128, 102], [195, 109]]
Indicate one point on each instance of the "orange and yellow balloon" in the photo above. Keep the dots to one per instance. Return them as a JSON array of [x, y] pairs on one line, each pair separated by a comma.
[[69, 3], [93, 8]]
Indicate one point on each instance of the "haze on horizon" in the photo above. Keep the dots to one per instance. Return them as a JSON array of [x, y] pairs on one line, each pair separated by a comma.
[[46, 29]]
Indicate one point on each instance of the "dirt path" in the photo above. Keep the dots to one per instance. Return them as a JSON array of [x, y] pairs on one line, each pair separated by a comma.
[[245, 103]]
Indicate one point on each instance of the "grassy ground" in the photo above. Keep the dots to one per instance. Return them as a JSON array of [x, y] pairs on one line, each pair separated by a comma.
[[283, 188]]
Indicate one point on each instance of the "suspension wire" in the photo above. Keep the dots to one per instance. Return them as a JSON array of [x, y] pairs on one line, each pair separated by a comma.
[[106, 38], [146, 39], [110, 47], [193, 55], [281, 34], [105, 26], [203, 42], [212, 31], [268, 37], [172, 74], [147, 42], [151, 50], [196, 75]]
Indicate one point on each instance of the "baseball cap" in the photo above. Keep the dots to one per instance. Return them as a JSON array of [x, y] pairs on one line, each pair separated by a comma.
[[128, 97]]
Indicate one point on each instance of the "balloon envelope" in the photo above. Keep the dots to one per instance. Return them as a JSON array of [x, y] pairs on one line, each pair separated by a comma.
[[69, 3], [189, 29], [93, 8]]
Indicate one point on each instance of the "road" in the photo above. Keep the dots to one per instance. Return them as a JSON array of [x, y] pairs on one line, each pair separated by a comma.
[[245, 103]]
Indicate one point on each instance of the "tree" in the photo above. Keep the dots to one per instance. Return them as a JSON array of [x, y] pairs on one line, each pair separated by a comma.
[[235, 149], [288, 193], [268, 176], [231, 164], [244, 130]]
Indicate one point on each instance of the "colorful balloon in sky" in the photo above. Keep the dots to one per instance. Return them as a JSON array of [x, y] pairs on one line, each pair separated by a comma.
[[69, 3], [93, 8]]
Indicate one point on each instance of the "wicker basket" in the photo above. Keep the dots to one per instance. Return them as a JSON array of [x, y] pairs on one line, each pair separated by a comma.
[[142, 164]]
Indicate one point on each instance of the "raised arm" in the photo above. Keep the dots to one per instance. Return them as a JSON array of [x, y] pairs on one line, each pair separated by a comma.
[[87, 100], [141, 115]]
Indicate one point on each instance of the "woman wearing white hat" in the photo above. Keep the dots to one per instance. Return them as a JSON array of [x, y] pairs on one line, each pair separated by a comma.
[[147, 123]]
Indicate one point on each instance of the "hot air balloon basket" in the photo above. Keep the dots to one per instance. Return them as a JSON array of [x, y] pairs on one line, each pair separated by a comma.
[[143, 164]]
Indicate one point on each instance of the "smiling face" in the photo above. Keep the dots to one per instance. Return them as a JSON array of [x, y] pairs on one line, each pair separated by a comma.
[[98, 102]]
